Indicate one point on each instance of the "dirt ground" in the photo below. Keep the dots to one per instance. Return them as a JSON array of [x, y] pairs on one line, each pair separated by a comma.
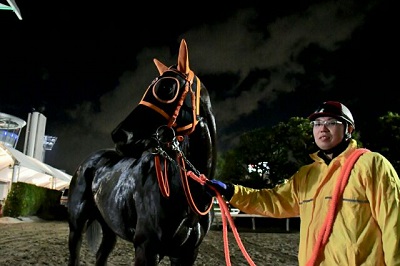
[[33, 241]]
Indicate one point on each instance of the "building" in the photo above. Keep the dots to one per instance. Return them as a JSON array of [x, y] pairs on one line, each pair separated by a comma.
[[27, 166], [10, 129]]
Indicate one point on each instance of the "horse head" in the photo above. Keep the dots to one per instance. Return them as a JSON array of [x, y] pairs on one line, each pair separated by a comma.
[[176, 99]]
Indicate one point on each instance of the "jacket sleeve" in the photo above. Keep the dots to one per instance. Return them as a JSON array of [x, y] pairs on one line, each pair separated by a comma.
[[278, 202], [384, 198]]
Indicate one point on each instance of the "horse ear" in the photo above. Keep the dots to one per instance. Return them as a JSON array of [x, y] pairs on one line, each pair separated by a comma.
[[160, 66], [183, 58]]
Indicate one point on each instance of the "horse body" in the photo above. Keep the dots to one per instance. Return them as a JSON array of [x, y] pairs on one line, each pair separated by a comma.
[[119, 189]]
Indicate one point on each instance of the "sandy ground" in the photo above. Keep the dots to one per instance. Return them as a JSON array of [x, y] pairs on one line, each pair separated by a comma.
[[32, 241]]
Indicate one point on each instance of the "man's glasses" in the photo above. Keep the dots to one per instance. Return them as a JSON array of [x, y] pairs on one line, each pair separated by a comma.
[[328, 123]]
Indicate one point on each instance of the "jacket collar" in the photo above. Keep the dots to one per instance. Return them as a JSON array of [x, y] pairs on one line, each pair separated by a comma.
[[343, 149]]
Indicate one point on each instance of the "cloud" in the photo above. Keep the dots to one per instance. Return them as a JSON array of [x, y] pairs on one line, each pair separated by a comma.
[[235, 46]]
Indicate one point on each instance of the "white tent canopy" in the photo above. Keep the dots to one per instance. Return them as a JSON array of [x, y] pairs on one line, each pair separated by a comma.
[[18, 167]]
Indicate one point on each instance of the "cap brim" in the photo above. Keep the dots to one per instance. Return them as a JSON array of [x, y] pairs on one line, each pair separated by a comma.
[[316, 115]]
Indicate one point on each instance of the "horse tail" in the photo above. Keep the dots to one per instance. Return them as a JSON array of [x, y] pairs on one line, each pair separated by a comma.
[[93, 236]]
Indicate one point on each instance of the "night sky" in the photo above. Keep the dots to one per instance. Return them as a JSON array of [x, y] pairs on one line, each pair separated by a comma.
[[86, 65]]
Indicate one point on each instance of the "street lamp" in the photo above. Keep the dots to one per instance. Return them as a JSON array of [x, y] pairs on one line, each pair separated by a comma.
[[12, 6]]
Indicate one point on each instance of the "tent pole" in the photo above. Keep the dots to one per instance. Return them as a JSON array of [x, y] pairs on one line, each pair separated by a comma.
[[15, 172]]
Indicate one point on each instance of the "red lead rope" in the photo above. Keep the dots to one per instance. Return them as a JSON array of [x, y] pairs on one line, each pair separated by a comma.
[[225, 215]]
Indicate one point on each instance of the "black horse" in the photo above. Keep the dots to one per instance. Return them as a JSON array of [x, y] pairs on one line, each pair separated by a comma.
[[140, 191]]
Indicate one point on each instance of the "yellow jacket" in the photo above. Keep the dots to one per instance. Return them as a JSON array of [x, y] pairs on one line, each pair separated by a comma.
[[366, 230]]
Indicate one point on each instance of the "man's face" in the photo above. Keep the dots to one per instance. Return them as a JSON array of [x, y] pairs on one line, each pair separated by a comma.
[[328, 132]]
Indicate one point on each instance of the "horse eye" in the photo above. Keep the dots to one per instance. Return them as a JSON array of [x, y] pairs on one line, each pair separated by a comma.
[[166, 89]]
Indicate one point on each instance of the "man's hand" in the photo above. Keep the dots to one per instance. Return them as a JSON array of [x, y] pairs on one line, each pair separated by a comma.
[[225, 190]]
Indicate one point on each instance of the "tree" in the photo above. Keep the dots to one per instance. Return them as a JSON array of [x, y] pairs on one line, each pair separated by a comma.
[[276, 152], [292, 142], [385, 138], [231, 166]]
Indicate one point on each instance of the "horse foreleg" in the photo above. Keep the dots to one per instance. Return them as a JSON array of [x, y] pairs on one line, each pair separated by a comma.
[[187, 259], [106, 246], [146, 251], [189, 250]]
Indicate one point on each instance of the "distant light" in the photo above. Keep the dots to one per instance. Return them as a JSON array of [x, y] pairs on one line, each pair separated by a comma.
[[49, 142]]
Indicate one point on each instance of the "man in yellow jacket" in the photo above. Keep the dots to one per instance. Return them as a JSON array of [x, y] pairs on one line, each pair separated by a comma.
[[363, 227]]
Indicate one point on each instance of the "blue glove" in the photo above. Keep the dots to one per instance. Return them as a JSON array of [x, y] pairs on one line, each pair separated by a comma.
[[225, 190]]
